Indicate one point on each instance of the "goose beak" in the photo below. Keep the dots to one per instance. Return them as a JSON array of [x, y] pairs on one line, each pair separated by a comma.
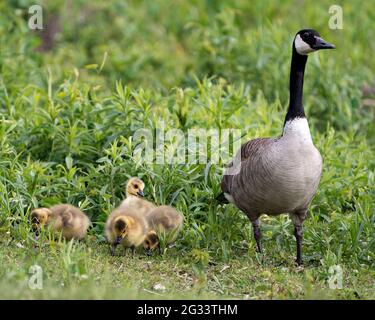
[[322, 44], [149, 252], [140, 193]]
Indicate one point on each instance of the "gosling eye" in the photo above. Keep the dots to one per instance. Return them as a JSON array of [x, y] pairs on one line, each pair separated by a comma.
[[136, 186]]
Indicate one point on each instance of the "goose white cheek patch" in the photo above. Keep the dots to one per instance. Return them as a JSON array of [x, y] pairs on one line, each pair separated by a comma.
[[301, 46]]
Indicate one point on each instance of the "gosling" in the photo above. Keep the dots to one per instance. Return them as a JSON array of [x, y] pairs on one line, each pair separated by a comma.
[[66, 219], [124, 226], [162, 220], [134, 195]]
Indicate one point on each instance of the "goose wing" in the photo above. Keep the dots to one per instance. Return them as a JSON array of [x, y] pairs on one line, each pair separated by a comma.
[[250, 153]]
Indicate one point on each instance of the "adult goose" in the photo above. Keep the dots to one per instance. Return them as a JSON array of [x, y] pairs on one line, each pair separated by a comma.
[[280, 175]]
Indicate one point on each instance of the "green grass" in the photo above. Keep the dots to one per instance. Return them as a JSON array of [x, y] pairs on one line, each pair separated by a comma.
[[67, 117], [89, 272]]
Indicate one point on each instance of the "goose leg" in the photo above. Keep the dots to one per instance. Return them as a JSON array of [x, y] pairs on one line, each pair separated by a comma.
[[112, 249], [298, 235], [298, 218], [257, 234]]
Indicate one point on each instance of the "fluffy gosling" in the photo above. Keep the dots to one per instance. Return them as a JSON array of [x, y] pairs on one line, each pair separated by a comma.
[[162, 220], [124, 226], [66, 219], [134, 194]]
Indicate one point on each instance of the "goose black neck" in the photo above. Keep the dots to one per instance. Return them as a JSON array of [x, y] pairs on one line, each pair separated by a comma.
[[297, 71]]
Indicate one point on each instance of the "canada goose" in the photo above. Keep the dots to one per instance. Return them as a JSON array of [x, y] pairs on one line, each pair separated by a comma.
[[163, 219], [134, 194], [64, 218], [127, 227], [280, 175]]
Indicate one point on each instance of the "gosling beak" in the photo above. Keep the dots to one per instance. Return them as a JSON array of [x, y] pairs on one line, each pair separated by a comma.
[[322, 44], [148, 252], [118, 240], [140, 193]]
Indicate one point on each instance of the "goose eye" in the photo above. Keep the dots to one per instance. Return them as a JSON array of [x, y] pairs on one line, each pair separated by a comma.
[[306, 36], [136, 186]]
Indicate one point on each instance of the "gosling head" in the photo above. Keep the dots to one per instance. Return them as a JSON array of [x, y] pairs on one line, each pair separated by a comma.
[[135, 187], [151, 242], [120, 229], [309, 40], [39, 217]]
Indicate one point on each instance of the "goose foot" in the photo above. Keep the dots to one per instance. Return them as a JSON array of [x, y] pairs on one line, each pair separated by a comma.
[[299, 263]]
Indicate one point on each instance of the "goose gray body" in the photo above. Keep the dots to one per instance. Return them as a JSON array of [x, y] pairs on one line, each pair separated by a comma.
[[280, 175], [277, 175]]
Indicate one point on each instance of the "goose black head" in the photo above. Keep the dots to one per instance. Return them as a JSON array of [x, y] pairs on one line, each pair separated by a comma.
[[309, 40]]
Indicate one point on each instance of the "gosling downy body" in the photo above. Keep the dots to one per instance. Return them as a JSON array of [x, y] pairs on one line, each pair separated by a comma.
[[126, 227], [66, 219], [163, 219], [280, 175], [134, 194]]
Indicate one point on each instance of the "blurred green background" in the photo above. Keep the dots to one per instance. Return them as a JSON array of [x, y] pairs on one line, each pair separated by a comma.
[[164, 44]]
